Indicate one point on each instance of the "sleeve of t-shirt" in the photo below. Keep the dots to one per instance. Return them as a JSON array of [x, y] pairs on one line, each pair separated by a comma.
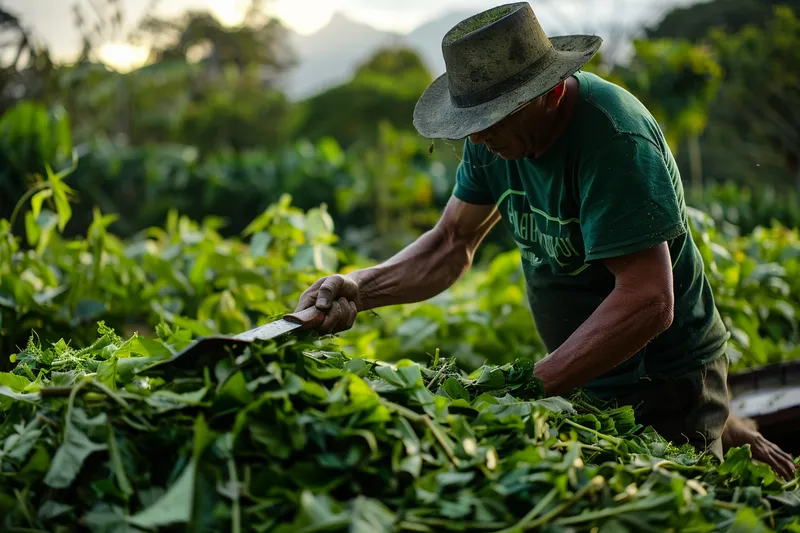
[[628, 202], [472, 185]]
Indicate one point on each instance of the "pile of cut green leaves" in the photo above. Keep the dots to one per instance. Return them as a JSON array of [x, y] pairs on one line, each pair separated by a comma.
[[130, 436]]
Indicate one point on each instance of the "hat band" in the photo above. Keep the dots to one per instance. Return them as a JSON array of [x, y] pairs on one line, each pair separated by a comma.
[[506, 85]]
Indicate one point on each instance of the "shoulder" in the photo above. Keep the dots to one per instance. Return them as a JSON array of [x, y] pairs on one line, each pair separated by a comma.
[[607, 111]]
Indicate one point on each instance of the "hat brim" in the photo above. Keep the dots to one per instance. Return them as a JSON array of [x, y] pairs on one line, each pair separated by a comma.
[[436, 117]]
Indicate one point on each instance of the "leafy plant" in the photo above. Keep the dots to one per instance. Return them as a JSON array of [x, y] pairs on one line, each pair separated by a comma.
[[295, 437]]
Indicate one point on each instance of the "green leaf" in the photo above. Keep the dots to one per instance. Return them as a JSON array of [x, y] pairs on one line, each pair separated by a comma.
[[117, 465], [14, 382], [555, 404], [69, 458], [175, 507], [260, 243], [165, 400], [37, 200], [63, 209], [455, 390], [316, 513], [371, 516], [51, 509]]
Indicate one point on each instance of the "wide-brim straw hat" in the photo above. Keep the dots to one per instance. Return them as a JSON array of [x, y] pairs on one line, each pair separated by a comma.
[[496, 62]]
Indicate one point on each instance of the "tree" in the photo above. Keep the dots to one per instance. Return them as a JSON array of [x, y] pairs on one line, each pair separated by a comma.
[[386, 87], [259, 41], [760, 103], [677, 81], [695, 21], [26, 70]]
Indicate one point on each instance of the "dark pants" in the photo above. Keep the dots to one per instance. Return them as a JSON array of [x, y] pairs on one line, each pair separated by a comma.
[[691, 408]]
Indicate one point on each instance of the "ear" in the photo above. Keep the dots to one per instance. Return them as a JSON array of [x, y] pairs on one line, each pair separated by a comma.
[[556, 94]]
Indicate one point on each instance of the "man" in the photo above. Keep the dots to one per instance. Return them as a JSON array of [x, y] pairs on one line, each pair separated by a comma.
[[579, 173]]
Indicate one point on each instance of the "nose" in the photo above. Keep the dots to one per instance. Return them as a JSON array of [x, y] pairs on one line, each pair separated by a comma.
[[480, 137]]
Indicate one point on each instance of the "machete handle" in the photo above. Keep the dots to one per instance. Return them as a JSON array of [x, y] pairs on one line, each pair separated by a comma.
[[309, 318]]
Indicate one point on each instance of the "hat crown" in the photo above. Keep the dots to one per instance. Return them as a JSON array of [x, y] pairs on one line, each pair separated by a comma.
[[506, 41]]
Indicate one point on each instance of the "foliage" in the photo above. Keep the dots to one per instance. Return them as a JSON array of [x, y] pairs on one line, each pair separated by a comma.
[[129, 436], [237, 113], [763, 86], [750, 139], [676, 81], [189, 275], [385, 88], [747, 208], [694, 21], [32, 139], [755, 279], [185, 273], [197, 36]]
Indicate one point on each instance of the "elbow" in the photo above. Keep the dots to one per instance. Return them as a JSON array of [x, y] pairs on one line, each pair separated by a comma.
[[660, 309], [456, 251]]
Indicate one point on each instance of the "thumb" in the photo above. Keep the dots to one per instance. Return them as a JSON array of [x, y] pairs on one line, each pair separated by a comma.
[[328, 292]]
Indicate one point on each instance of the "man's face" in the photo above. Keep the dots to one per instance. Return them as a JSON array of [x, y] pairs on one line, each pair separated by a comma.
[[515, 136], [511, 138]]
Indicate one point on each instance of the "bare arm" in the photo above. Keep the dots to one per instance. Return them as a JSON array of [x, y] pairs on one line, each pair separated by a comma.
[[639, 308], [432, 263], [425, 268]]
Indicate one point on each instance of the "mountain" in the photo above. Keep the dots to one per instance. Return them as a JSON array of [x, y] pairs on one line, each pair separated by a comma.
[[329, 56], [427, 39]]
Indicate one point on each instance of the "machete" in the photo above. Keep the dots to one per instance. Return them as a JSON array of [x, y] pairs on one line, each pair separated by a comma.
[[307, 319]]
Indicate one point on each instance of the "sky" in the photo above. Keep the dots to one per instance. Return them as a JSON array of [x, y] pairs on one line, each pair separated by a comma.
[[52, 20]]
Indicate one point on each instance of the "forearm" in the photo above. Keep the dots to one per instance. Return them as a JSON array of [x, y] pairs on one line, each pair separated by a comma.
[[621, 326], [425, 268]]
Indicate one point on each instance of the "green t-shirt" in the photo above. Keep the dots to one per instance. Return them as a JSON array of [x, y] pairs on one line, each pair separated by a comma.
[[608, 187]]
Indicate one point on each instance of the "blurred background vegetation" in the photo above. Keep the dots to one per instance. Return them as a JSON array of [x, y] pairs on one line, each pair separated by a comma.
[[205, 125]]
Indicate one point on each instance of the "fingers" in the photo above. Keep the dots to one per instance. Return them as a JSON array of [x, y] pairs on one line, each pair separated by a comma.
[[328, 292], [780, 461], [337, 296], [306, 300], [308, 297], [351, 317], [332, 319], [340, 317]]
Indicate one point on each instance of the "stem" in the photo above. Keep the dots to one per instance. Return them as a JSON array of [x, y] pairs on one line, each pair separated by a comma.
[[729, 506], [564, 506], [609, 438], [453, 524], [589, 447], [622, 509], [538, 508], [236, 509], [791, 484], [439, 437], [664, 464], [25, 197], [425, 419], [47, 421], [411, 526]]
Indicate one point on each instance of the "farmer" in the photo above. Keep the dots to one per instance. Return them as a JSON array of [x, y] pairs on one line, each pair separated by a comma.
[[579, 173]]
